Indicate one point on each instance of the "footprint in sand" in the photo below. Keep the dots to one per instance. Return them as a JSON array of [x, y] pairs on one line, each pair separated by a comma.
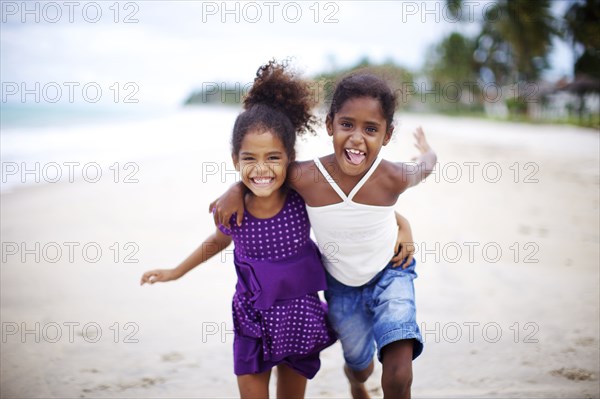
[[569, 262], [568, 350], [145, 382], [89, 335], [100, 387], [528, 230], [585, 341], [93, 371], [574, 374], [172, 357]]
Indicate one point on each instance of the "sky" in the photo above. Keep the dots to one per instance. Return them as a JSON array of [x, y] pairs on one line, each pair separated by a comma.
[[156, 52]]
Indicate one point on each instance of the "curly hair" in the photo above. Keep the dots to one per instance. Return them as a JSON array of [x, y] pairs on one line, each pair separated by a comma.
[[364, 84], [278, 102]]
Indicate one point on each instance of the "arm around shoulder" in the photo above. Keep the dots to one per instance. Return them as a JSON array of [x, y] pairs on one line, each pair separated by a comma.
[[232, 201], [299, 175]]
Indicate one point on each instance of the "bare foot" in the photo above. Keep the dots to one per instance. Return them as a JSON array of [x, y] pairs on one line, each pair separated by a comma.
[[357, 388]]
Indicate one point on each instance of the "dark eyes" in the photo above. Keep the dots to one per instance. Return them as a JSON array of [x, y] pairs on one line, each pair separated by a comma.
[[369, 129], [271, 158]]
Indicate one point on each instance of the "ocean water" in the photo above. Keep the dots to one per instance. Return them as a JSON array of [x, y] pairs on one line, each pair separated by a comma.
[[47, 145], [54, 144]]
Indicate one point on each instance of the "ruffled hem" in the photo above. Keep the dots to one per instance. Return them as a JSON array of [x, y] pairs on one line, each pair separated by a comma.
[[296, 327]]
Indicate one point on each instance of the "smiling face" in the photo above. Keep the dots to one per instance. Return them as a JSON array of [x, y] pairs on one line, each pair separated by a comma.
[[359, 130], [262, 161]]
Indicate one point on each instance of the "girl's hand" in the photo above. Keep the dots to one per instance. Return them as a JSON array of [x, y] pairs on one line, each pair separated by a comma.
[[421, 141], [162, 275], [404, 248], [404, 253], [229, 203], [426, 160]]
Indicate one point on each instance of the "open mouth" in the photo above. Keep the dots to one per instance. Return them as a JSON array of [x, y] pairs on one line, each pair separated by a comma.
[[355, 157], [262, 181]]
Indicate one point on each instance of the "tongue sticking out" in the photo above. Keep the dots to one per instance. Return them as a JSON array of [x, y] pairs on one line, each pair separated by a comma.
[[355, 159]]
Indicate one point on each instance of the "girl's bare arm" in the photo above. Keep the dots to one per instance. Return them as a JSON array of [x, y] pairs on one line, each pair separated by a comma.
[[232, 201], [425, 162], [404, 248], [214, 244]]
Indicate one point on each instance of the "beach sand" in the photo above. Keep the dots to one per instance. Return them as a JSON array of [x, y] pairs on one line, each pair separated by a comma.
[[507, 234]]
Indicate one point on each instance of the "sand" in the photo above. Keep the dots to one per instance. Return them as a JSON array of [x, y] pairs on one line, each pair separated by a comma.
[[507, 294]]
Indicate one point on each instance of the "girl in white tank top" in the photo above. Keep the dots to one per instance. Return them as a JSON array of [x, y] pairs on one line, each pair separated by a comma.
[[350, 197]]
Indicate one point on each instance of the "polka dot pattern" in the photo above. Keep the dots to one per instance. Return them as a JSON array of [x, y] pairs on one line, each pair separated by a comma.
[[275, 238], [293, 327], [290, 327]]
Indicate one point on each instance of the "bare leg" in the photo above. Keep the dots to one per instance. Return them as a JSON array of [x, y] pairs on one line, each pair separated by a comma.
[[254, 386], [397, 369], [290, 384], [357, 381]]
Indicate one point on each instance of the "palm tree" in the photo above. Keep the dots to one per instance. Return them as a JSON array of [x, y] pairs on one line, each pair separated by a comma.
[[452, 71], [582, 26], [515, 38], [451, 60], [522, 31]]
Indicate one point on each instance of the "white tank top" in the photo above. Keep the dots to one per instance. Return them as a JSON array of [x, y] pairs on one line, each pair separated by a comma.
[[356, 240]]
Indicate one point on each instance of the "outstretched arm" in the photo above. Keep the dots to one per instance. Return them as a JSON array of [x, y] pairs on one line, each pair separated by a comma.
[[214, 244], [405, 247], [425, 161], [229, 203]]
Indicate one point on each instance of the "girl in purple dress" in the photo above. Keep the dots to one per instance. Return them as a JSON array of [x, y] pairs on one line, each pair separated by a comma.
[[278, 317]]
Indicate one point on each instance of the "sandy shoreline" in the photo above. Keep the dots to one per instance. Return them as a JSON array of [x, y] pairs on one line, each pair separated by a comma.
[[519, 323]]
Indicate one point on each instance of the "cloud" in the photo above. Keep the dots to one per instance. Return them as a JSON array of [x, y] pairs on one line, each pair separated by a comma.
[[168, 48]]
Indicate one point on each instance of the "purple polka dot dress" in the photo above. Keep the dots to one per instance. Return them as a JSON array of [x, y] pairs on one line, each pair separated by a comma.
[[277, 314]]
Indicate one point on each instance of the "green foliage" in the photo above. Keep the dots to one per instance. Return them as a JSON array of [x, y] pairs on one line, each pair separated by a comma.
[[582, 26], [396, 76], [452, 75], [516, 38], [322, 85], [452, 60], [516, 106]]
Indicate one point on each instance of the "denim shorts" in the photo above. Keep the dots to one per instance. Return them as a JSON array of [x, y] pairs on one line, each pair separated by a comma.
[[379, 312]]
